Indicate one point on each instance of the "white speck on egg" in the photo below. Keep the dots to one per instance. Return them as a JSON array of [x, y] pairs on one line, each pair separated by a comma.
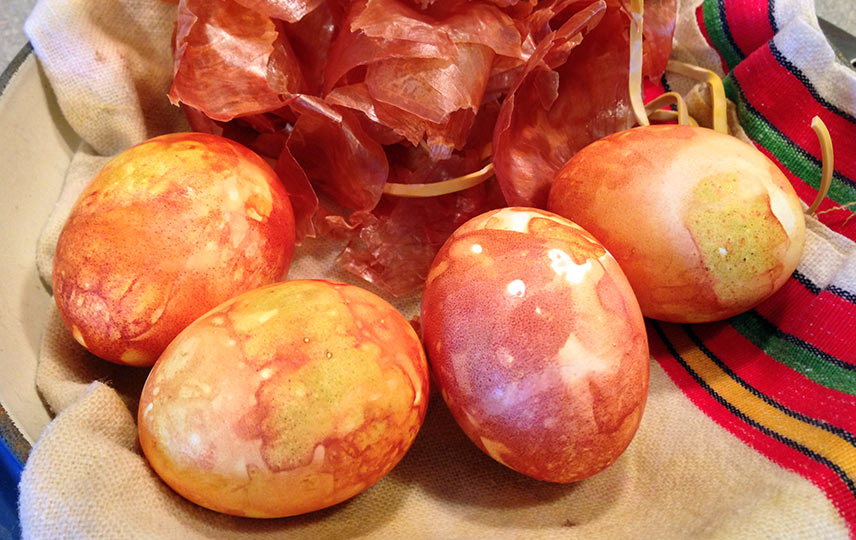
[[503, 354], [265, 316], [723, 252], [195, 439], [516, 288], [251, 212], [476, 248], [148, 409], [318, 455], [266, 373], [563, 265]]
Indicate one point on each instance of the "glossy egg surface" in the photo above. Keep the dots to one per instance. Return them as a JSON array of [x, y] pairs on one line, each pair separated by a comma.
[[167, 230], [287, 399], [537, 343], [704, 225]]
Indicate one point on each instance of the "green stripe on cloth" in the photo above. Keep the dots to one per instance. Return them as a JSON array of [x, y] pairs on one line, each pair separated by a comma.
[[767, 337], [789, 154], [714, 23]]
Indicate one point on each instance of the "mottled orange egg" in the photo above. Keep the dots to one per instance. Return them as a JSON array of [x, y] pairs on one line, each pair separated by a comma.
[[704, 225], [284, 400], [536, 343], [164, 232]]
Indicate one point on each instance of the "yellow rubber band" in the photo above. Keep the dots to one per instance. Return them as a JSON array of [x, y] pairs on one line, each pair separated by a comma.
[[667, 99], [440, 188], [717, 90], [637, 104], [665, 115], [828, 159]]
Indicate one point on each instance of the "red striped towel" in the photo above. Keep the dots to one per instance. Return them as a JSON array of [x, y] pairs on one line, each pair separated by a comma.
[[782, 377]]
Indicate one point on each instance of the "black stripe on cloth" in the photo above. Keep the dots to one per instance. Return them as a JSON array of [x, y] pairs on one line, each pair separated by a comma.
[[814, 289], [838, 291], [667, 89], [806, 282], [851, 486], [771, 14], [771, 328], [822, 424], [797, 148], [726, 30], [665, 83], [797, 72]]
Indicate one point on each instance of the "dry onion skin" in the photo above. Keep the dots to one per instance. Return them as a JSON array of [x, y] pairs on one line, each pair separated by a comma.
[[367, 103], [284, 400], [704, 225], [165, 231]]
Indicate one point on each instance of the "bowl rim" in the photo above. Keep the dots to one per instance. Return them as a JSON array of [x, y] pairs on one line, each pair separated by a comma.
[[14, 447]]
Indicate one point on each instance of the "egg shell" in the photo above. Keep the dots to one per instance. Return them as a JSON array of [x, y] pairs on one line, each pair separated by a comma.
[[704, 225], [287, 399], [537, 343], [167, 230]]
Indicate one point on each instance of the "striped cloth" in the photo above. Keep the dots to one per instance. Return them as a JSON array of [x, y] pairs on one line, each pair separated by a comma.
[[782, 377]]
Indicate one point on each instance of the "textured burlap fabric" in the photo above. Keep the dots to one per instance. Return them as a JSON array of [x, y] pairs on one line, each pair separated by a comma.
[[683, 475]]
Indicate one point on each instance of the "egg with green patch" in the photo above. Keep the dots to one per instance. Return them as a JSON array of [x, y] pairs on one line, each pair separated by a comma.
[[284, 400], [704, 225]]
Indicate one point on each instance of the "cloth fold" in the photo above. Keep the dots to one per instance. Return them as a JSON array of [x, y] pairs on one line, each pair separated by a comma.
[[690, 472]]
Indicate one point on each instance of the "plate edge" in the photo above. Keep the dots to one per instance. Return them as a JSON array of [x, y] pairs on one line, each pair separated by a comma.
[[14, 65], [11, 438]]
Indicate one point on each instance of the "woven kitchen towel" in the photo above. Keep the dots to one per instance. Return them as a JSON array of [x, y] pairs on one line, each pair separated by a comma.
[[782, 377], [749, 427]]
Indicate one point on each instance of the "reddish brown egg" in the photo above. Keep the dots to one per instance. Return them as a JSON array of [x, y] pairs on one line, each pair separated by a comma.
[[287, 399], [536, 342], [164, 232], [703, 224]]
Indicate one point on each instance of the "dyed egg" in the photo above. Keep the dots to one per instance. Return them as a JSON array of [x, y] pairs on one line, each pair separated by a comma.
[[704, 225], [164, 232], [536, 343], [287, 399]]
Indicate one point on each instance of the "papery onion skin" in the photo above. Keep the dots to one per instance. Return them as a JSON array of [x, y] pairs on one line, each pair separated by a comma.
[[222, 54], [703, 224], [572, 91], [536, 342], [287, 399], [167, 230]]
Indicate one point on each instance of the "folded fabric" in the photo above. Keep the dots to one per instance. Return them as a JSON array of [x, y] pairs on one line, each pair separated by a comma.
[[750, 426]]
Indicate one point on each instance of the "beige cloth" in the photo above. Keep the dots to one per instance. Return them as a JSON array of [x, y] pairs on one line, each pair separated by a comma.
[[683, 476]]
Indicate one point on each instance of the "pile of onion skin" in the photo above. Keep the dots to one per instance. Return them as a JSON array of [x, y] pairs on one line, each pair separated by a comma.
[[357, 103], [382, 123]]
